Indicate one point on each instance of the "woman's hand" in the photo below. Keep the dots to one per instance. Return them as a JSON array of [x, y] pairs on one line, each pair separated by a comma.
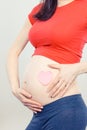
[[64, 79], [25, 97]]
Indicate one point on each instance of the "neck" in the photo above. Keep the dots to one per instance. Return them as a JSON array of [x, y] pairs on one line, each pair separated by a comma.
[[63, 2]]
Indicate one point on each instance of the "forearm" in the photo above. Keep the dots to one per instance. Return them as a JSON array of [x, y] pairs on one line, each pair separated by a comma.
[[82, 67], [12, 71]]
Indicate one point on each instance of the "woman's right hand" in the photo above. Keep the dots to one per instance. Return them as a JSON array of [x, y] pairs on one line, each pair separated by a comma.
[[26, 98]]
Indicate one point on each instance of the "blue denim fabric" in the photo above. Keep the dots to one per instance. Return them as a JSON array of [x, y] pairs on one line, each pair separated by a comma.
[[67, 113]]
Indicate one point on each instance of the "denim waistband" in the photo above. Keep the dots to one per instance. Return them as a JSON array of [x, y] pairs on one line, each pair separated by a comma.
[[62, 103], [62, 100]]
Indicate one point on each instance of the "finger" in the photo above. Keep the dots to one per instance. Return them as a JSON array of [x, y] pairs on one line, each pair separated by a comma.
[[32, 102], [36, 106], [34, 109], [35, 102], [29, 101], [64, 89], [55, 89], [54, 66], [35, 112], [59, 90], [65, 86], [25, 93], [53, 83], [68, 86]]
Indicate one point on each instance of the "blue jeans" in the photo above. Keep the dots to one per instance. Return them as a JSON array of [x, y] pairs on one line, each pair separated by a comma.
[[67, 113]]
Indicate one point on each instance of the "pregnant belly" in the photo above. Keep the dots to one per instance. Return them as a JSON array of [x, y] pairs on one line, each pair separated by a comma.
[[37, 77]]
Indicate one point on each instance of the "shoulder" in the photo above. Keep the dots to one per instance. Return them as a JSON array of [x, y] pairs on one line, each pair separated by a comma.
[[34, 10]]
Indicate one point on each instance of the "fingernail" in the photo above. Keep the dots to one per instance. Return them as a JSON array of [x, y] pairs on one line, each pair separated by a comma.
[[41, 107], [30, 96], [35, 112]]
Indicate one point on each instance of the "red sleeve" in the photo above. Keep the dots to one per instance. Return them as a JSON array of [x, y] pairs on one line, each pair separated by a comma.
[[33, 11]]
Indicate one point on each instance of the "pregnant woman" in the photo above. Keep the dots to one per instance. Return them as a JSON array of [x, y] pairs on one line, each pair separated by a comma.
[[57, 29]]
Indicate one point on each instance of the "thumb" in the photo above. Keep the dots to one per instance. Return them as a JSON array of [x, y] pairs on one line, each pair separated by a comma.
[[26, 92], [55, 66]]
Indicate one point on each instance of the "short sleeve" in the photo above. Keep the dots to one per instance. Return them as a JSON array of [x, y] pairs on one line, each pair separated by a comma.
[[33, 11]]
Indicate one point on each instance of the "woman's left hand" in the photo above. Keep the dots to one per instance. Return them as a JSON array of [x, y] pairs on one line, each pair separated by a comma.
[[63, 80]]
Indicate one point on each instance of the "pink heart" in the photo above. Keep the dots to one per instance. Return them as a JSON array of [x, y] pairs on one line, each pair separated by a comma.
[[45, 77]]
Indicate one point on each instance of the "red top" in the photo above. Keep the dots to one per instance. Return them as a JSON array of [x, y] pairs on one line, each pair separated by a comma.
[[63, 36]]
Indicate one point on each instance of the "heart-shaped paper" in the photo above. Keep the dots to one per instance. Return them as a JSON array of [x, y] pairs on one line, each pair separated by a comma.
[[45, 77]]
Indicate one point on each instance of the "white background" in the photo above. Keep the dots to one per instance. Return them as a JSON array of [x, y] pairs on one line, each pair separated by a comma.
[[13, 115]]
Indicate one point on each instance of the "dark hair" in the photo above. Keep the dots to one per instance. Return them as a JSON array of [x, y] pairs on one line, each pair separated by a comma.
[[47, 9]]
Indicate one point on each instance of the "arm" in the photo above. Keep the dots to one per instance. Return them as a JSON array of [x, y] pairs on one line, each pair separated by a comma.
[[82, 67], [13, 54], [12, 68]]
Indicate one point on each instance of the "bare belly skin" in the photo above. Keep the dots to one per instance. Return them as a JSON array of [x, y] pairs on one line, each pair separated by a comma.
[[37, 77]]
